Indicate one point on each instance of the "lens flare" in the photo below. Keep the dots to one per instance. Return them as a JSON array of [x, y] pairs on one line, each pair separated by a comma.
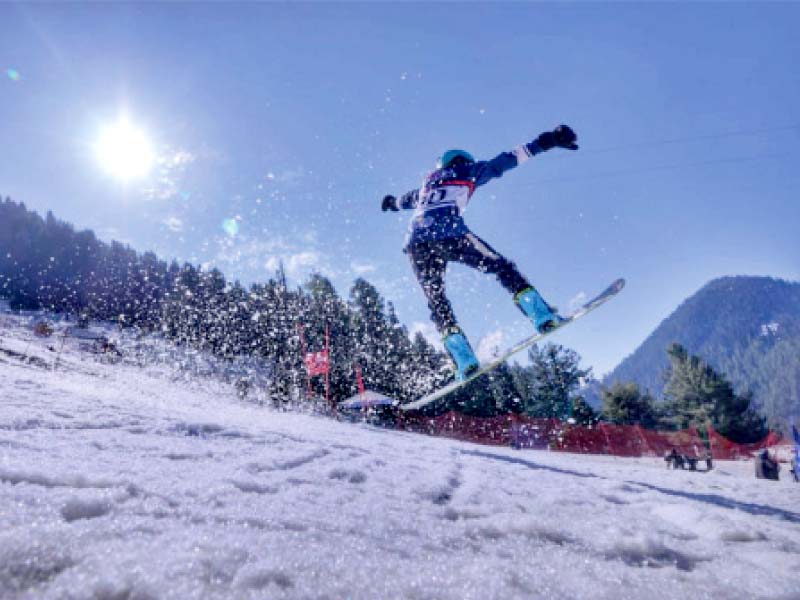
[[13, 74], [231, 227]]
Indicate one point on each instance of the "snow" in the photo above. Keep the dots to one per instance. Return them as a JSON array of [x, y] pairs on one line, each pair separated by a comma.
[[118, 481]]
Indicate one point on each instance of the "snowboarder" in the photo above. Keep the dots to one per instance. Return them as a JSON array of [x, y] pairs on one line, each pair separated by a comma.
[[438, 235]]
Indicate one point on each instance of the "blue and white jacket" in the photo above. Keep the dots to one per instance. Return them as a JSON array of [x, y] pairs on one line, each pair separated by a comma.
[[445, 193]]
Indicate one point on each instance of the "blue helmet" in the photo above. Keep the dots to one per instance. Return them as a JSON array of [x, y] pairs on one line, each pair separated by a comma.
[[449, 157]]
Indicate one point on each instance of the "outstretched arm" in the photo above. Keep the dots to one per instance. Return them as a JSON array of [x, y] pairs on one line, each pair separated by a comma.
[[484, 171], [407, 200]]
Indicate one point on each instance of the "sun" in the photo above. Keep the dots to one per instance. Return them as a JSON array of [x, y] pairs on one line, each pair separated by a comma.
[[124, 151]]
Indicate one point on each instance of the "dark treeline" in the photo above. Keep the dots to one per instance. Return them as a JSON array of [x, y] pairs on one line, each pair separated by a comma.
[[45, 263]]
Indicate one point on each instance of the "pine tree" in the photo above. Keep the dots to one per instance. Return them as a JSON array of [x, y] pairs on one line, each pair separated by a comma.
[[583, 413], [491, 394], [625, 404], [325, 310], [696, 395], [781, 383], [424, 370], [555, 374], [371, 338]]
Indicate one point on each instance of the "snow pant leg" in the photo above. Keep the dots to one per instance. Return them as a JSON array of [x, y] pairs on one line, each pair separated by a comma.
[[429, 267], [474, 252]]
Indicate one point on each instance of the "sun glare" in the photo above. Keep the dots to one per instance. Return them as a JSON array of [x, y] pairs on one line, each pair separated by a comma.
[[124, 151]]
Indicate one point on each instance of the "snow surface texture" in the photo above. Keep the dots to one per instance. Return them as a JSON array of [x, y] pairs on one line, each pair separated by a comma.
[[117, 482]]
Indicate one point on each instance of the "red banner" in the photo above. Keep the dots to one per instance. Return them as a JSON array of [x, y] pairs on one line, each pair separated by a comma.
[[317, 363], [360, 381]]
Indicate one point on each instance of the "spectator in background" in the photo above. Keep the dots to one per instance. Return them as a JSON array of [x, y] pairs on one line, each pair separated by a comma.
[[766, 467], [674, 460]]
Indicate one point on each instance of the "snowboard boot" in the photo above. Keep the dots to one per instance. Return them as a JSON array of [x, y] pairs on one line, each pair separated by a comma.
[[545, 318], [457, 346]]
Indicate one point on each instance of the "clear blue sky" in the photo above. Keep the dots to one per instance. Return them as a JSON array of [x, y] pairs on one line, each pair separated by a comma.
[[294, 120]]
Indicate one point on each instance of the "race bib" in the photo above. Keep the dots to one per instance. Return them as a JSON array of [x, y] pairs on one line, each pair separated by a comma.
[[444, 196]]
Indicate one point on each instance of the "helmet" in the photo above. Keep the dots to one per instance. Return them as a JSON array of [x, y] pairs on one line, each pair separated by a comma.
[[449, 157]]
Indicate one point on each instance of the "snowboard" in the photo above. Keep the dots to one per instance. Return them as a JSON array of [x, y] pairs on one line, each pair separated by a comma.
[[601, 298]]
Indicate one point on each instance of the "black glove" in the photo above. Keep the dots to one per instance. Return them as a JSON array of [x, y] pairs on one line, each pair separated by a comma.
[[389, 203], [562, 136]]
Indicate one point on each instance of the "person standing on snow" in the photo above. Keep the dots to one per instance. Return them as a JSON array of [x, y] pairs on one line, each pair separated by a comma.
[[438, 235]]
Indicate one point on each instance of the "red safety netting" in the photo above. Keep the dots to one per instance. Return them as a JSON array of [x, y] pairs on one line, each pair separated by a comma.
[[529, 432], [583, 440], [686, 441], [495, 431], [604, 438], [659, 443], [723, 448], [624, 440], [627, 440]]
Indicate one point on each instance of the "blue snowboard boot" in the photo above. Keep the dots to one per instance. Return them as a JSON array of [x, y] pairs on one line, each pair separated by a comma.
[[457, 346], [545, 318]]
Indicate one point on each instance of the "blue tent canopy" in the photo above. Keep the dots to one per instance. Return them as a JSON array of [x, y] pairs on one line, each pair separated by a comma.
[[368, 399]]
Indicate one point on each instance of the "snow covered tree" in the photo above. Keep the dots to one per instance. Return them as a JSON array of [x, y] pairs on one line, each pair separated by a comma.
[[372, 339], [323, 310], [423, 371]]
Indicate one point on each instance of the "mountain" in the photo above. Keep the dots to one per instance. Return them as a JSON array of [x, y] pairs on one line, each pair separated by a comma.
[[746, 327]]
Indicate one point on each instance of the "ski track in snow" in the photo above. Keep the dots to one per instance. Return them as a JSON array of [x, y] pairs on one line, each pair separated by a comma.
[[119, 483]]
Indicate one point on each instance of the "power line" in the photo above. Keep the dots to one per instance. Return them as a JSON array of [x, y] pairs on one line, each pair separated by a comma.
[[699, 163], [695, 138]]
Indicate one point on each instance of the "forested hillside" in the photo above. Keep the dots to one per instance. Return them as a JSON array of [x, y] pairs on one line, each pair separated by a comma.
[[747, 328]]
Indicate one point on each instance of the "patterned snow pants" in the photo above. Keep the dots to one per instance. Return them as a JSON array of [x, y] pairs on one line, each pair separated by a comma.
[[429, 261]]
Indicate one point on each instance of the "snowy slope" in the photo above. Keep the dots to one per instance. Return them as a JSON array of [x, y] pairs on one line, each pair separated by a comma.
[[116, 482]]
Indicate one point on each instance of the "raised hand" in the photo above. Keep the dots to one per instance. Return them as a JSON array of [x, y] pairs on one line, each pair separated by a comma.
[[389, 203], [562, 136]]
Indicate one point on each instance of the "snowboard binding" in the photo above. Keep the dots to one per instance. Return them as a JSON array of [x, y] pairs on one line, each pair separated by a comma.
[[457, 346], [544, 317]]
